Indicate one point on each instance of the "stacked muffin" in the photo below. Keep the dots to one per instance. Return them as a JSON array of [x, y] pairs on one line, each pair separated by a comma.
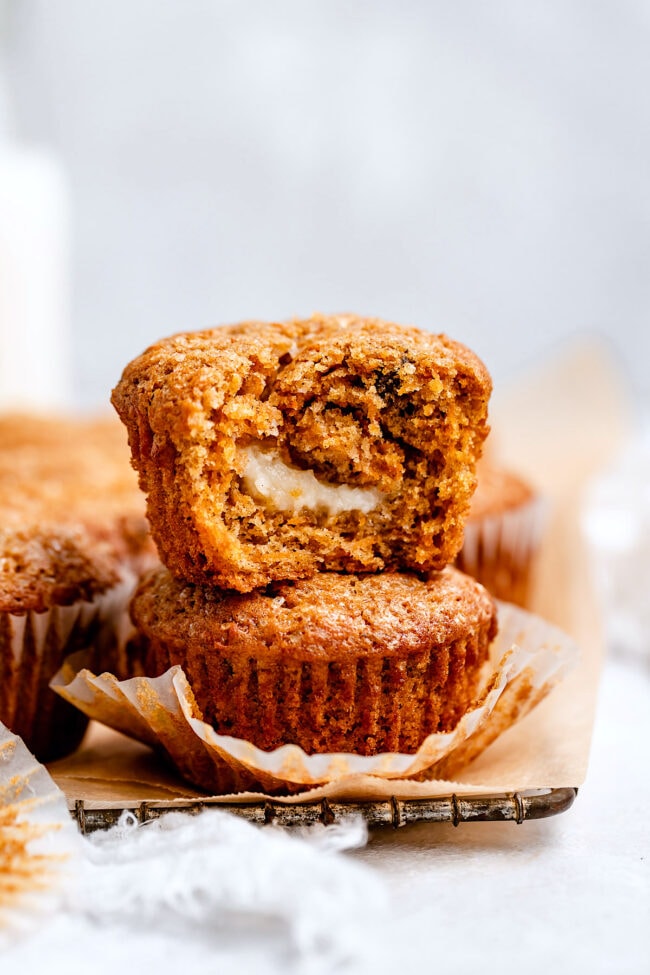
[[307, 487], [72, 537]]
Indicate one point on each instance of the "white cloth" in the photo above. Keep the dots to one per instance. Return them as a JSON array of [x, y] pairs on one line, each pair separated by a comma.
[[217, 873], [566, 894], [215, 878]]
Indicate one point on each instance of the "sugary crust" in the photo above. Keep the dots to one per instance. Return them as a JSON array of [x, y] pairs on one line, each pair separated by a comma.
[[44, 566], [69, 468], [333, 663], [71, 515], [330, 616], [357, 401]]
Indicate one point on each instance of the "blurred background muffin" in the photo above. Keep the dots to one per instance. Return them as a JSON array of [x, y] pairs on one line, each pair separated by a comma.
[[503, 533], [73, 540], [75, 469]]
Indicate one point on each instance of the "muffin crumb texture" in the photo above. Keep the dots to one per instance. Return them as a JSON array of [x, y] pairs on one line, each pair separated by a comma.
[[275, 451]]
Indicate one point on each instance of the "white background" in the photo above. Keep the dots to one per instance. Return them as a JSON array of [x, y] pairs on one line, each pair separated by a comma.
[[478, 168]]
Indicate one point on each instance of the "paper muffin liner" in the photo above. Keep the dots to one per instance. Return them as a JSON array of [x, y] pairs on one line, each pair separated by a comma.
[[32, 648], [39, 842], [527, 658], [365, 705], [499, 549]]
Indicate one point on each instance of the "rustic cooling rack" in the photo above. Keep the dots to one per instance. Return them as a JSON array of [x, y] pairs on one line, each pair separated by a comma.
[[514, 807]]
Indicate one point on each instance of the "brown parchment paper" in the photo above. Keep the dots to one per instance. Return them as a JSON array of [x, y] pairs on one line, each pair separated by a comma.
[[557, 425]]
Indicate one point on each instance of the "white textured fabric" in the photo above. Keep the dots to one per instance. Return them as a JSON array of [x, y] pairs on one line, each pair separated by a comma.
[[213, 871], [211, 877]]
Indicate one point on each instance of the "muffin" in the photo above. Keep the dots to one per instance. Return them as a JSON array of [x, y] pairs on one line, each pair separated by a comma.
[[274, 451], [75, 470], [56, 588], [72, 539], [335, 663], [502, 534]]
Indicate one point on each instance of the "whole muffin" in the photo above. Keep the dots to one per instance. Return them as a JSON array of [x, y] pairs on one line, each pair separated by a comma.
[[274, 451], [56, 597], [503, 534], [73, 538], [335, 663]]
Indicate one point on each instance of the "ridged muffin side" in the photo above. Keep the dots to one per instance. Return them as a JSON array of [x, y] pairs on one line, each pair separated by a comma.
[[503, 534], [56, 583], [363, 664]]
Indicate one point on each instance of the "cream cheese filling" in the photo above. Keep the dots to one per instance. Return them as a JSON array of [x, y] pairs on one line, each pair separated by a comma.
[[284, 488]]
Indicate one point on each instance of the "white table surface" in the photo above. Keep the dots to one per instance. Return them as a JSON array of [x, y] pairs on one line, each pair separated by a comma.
[[566, 894], [569, 894]]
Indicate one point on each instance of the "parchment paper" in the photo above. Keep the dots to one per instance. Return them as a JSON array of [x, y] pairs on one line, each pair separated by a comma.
[[558, 426], [527, 660]]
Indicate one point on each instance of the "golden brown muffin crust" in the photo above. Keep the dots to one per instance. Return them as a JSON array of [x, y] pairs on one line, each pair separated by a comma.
[[356, 402], [71, 513], [44, 566], [70, 469], [330, 616]]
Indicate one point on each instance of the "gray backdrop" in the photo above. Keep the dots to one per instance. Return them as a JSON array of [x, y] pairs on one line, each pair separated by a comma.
[[479, 168]]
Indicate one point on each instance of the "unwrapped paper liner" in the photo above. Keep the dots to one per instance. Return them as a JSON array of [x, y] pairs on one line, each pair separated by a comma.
[[35, 645], [39, 842], [528, 657], [499, 549]]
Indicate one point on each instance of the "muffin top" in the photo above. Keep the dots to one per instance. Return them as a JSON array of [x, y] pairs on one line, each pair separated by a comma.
[[330, 616], [71, 513], [74, 469], [49, 565], [272, 451], [170, 372], [498, 490]]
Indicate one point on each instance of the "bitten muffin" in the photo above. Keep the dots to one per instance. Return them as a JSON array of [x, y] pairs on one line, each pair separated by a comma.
[[503, 534], [72, 538], [335, 663], [274, 451]]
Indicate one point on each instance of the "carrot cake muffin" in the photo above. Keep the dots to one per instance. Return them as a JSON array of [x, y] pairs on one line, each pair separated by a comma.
[[75, 470], [502, 534], [338, 662], [72, 538], [274, 451], [55, 588]]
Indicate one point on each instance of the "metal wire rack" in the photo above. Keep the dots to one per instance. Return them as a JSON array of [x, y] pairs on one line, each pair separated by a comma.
[[516, 807]]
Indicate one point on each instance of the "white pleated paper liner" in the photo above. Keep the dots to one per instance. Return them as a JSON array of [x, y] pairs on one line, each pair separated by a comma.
[[39, 842], [32, 648], [528, 657], [499, 549]]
